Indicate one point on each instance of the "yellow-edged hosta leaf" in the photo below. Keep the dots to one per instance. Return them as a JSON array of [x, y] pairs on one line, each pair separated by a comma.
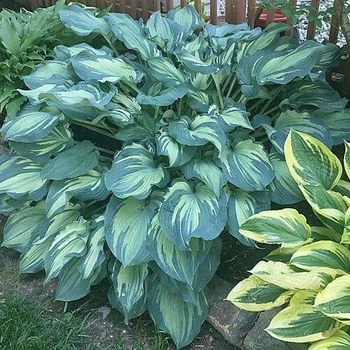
[[347, 159], [254, 294], [310, 161], [281, 254], [285, 277], [334, 300], [324, 256], [286, 227], [320, 233], [301, 322], [345, 238], [338, 341]]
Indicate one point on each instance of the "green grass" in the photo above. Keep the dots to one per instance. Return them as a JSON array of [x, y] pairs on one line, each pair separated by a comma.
[[25, 326]]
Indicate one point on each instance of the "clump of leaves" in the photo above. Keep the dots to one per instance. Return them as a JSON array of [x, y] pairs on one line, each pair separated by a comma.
[[132, 158], [309, 275], [26, 39]]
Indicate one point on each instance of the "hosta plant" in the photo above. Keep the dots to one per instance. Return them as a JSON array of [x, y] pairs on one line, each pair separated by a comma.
[[309, 274], [131, 158]]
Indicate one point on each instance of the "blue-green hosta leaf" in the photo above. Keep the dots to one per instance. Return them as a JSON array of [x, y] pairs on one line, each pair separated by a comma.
[[205, 272], [310, 162], [233, 116], [338, 124], [177, 153], [128, 241], [254, 294], [133, 133], [8, 204], [102, 68], [41, 151], [134, 172], [182, 320], [72, 162], [165, 32], [83, 94], [65, 53], [83, 21], [316, 93], [70, 243], [322, 256], [33, 95], [187, 17], [283, 189], [194, 63], [21, 177], [29, 127], [202, 130], [133, 36], [179, 264], [280, 67], [192, 210], [128, 287], [340, 340], [285, 226], [90, 186], [205, 169], [166, 97], [164, 70], [56, 72], [247, 166], [297, 121], [240, 206], [24, 226], [33, 259], [70, 284], [301, 322]]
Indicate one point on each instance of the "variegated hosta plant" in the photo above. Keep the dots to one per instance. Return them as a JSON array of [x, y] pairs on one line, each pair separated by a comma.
[[309, 274], [130, 159]]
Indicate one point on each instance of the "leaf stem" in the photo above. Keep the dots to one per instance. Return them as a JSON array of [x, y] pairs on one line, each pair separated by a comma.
[[233, 83], [92, 128], [217, 85]]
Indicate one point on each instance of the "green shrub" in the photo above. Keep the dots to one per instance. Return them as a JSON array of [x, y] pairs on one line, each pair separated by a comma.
[[132, 158], [309, 275]]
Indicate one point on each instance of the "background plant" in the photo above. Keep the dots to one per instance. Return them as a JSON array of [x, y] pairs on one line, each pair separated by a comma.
[[131, 158], [309, 274]]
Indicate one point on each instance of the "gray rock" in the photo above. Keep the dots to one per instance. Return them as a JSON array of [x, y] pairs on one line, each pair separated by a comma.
[[258, 339], [233, 323]]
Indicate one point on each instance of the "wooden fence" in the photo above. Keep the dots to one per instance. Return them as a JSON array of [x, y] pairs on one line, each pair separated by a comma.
[[235, 11]]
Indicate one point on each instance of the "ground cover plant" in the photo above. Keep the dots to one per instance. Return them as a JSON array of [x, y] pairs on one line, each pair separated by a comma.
[[131, 158], [308, 275]]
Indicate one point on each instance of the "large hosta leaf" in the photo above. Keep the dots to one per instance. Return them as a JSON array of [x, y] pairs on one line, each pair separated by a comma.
[[21, 177], [177, 153], [297, 121], [310, 161], [70, 243], [241, 205], [179, 264], [127, 293], [247, 166], [340, 340], [254, 294], [202, 130], [301, 322], [205, 169], [29, 127], [182, 320], [83, 21], [41, 151], [283, 189], [285, 226], [134, 172], [90, 186], [333, 301], [322, 256], [127, 225], [72, 163], [192, 210], [102, 68], [33, 259], [24, 226]]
